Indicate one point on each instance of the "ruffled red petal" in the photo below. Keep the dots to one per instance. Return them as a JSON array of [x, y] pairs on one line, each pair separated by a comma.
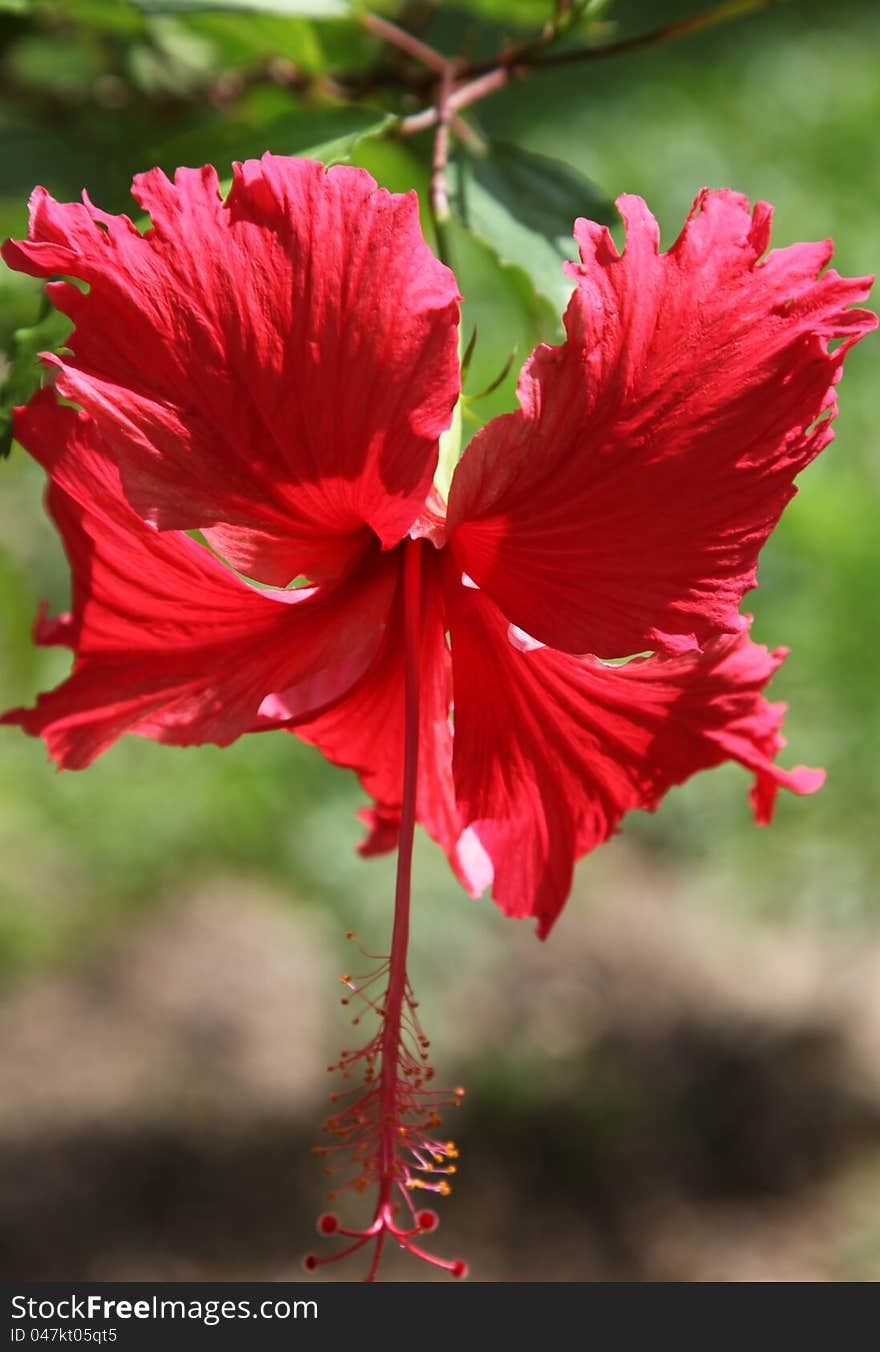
[[168, 642], [551, 750], [365, 732], [276, 368], [623, 509]]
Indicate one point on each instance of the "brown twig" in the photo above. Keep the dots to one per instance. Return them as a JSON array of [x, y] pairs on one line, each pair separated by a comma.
[[532, 55], [439, 192], [440, 115], [463, 97]]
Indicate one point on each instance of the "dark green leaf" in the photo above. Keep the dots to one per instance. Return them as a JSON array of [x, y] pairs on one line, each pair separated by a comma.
[[524, 205], [23, 376], [510, 319]]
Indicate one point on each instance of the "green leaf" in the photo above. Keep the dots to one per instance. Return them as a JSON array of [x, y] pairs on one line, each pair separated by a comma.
[[515, 15], [449, 452], [523, 205], [24, 373], [339, 149], [65, 65], [172, 61], [330, 134], [510, 319], [533, 13], [294, 9], [500, 301]]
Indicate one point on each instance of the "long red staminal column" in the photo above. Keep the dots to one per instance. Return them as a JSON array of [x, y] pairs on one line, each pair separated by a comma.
[[384, 1129], [412, 603]]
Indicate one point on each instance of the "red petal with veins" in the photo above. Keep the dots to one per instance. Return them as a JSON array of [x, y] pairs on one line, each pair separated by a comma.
[[168, 642], [277, 367], [365, 732], [623, 509], [551, 750]]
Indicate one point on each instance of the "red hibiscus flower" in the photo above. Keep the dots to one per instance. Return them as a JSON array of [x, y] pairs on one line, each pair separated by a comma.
[[274, 371]]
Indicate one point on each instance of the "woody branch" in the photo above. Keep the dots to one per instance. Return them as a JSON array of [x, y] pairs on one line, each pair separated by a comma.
[[458, 84]]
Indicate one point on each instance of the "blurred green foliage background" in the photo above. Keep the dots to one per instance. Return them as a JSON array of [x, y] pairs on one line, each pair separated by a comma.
[[784, 106]]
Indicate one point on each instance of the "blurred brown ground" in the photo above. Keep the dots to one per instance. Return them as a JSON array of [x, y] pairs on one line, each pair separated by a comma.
[[671, 1098]]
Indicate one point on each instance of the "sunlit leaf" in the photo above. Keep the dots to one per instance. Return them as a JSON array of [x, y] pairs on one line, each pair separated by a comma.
[[240, 39], [295, 9], [449, 452], [510, 317], [24, 373], [330, 134]]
